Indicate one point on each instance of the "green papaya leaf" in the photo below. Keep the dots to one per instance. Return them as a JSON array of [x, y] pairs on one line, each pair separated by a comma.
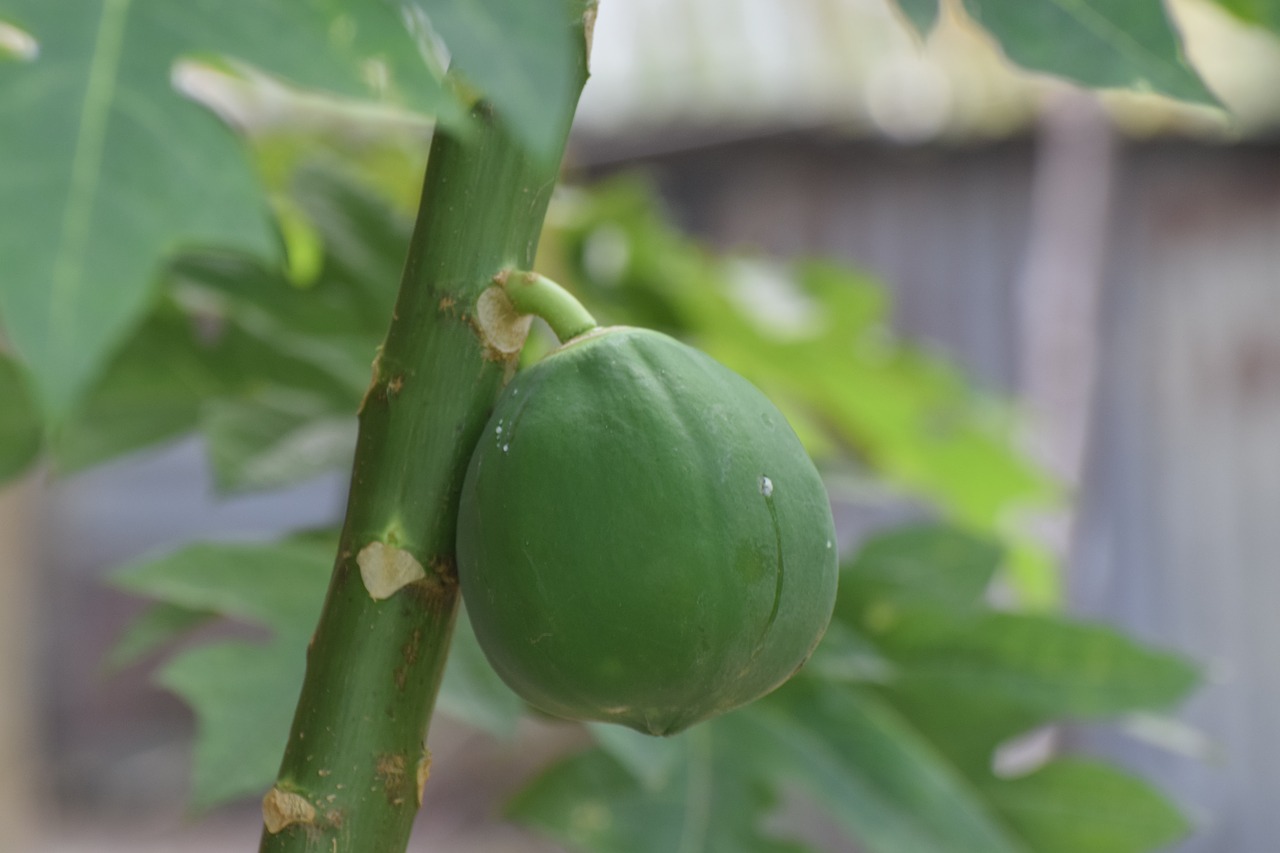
[[277, 437], [921, 14], [111, 169], [712, 800], [243, 692], [969, 677], [1263, 13], [20, 423], [244, 695], [278, 586], [518, 53], [650, 760], [1099, 43], [152, 391], [271, 372], [882, 781], [1044, 664], [926, 563], [274, 332], [1070, 805], [152, 630]]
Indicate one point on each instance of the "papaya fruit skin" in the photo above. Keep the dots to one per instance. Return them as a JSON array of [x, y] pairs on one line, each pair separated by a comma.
[[642, 539]]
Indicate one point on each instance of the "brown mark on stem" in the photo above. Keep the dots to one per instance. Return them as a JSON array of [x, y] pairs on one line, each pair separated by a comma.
[[286, 808], [409, 652], [390, 770], [424, 773], [373, 380], [444, 569]]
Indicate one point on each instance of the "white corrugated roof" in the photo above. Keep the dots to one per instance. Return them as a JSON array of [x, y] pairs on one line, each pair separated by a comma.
[[853, 64]]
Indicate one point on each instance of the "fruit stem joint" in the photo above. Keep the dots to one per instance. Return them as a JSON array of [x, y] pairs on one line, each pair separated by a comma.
[[532, 293]]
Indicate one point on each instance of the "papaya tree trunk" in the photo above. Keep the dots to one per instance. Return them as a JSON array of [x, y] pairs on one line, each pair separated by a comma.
[[355, 766]]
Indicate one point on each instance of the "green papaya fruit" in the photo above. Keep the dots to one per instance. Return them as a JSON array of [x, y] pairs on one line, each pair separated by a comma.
[[642, 539]]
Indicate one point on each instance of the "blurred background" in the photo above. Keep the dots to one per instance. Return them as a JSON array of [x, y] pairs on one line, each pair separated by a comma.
[[1109, 262]]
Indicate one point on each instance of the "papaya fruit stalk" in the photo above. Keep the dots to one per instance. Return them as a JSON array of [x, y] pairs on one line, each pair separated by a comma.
[[353, 773]]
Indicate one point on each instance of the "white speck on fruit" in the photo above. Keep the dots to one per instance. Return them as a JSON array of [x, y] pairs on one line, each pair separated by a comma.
[[505, 448], [499, 429], [828, 544], [766, 486]]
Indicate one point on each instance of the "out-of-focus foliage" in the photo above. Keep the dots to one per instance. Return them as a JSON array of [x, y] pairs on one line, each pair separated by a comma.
[[1106, 45], [1264, 13], [922, 14], [1131, 44], [19, 421], [108, 169], [270, 372], [243, 690]]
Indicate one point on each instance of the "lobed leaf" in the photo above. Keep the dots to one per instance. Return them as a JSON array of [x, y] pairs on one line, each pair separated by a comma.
[[243, 693], [119, 171], [1070, 805], [151, 391], [921, 14], [277, 437], [278, 586], [1099, 43], [1263, 13], [514, 51], [922, 563], [882, 781], [270, 371], [152, 630], [713, 800]]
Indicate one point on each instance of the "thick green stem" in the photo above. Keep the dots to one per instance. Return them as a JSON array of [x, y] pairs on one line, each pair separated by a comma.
[[353, 770], [531, 293]]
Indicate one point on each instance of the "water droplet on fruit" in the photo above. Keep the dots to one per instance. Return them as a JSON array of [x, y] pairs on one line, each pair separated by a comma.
[[828, 544], [766, 486], [505, 448], [499, 429]]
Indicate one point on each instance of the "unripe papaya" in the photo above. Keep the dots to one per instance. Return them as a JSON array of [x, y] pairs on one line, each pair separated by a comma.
[[642, 539]]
